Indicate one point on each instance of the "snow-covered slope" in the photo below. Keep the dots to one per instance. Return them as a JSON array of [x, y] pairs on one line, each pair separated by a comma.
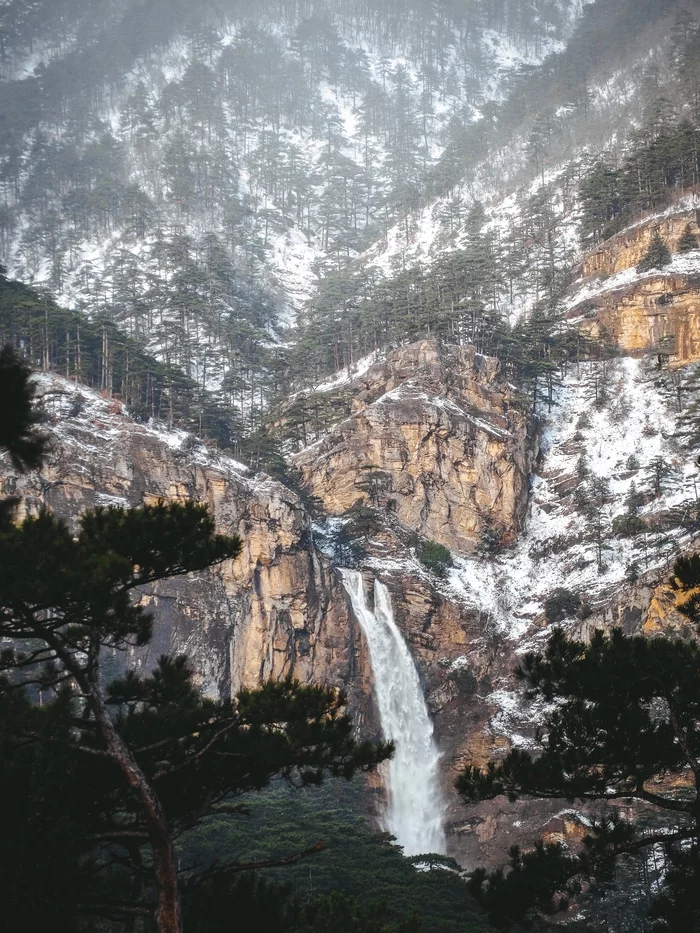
[[566, 547], [228, 166]]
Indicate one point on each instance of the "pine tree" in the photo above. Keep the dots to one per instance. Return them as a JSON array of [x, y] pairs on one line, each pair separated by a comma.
[[376, 483], [688, 241], [633, 500], [600, 196], [630, 524], [112, 770], [657, 255], [625, 716], [18, 416], [660, 475]]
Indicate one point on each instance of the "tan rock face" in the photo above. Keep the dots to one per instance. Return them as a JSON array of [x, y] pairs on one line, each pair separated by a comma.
[[648, 607], [278, 610], [446, 437], [657, 312], [627, 248]]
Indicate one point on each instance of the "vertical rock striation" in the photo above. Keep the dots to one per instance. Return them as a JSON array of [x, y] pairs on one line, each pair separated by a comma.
[[278, 610], [446, 437]]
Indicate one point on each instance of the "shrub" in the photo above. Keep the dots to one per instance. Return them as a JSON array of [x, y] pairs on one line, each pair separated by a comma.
[[191, 442], [628, 526], [688, 241], [560, 604], [632, 572], [435, 558], [491, 541]]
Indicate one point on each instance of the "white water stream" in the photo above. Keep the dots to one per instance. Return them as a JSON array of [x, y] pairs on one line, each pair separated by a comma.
[[415, 810]]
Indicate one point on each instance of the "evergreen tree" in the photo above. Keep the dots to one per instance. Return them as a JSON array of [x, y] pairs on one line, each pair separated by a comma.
[[660, 475], [633, 500], [624, 716], [18, 415], [601, 200], [109, 773], [657, 255], [688, 241], [630, 523]]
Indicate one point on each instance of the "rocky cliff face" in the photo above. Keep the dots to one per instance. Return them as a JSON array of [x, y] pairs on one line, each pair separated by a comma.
[[438, 443], [654, 312], [277, 610], [627, 248], [443, 437], [280, 608], [438, 438]]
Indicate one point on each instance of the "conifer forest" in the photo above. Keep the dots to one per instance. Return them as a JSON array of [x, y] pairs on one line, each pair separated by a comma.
[[350, 466]]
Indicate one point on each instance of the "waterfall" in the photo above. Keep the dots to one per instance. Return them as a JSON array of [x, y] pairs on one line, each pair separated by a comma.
[[414, 814]]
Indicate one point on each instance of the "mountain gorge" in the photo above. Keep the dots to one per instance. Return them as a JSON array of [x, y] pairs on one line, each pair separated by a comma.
[[404, 290]]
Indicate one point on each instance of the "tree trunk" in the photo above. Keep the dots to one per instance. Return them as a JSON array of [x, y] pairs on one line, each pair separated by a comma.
[[168, 914]]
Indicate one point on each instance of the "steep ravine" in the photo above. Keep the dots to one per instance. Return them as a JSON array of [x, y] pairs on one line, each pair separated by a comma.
[[462, 458], [281, 608]]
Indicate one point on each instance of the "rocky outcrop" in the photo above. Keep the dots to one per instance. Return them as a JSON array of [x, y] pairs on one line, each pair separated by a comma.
[[652, 314], [657, 312], [277, 610], [646, 607], [436, 437], [626, 249]]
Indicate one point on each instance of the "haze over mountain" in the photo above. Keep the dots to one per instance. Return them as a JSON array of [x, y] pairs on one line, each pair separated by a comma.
[[408, 293]]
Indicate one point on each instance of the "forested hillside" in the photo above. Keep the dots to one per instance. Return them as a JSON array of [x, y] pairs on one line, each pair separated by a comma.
[[203, 170], [208, 179], [365, 439]]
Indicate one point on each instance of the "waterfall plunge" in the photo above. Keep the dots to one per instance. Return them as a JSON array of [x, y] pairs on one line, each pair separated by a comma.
[[415, 811]]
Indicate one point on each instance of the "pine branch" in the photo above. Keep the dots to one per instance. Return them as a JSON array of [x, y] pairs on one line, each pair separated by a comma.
[[123, 908], [665, 803], [234, 867], [233, 724], [116, 835]]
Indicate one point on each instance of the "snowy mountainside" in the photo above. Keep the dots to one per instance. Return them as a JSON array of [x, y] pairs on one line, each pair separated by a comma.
[[206, 197], [501, 236], [511, 186], [88, 422], [612, 448], [286, 139]]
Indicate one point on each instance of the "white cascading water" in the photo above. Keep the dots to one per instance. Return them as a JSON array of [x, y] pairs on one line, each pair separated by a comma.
[[415, 810]]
